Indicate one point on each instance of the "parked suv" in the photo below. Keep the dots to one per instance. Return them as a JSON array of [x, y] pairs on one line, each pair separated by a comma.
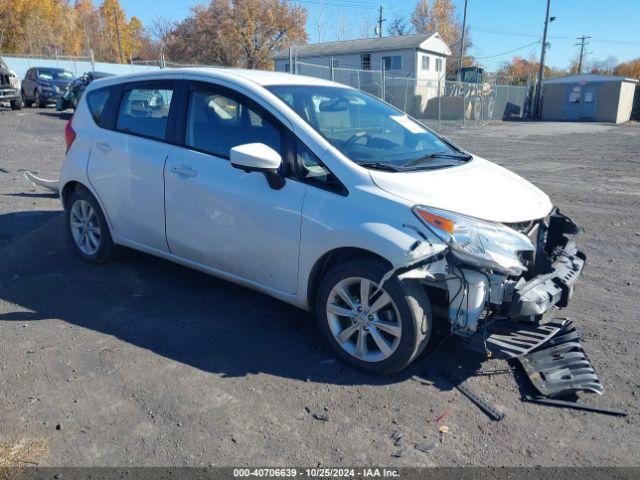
[[9, 87], [44, 85], [319, 195]]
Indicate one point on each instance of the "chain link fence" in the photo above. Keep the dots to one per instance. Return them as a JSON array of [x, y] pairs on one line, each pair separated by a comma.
[[435, 102]]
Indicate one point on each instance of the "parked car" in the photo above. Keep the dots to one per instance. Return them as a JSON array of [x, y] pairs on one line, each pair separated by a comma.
[[71, 95], [319, 195], [9, 87], [43, 85]]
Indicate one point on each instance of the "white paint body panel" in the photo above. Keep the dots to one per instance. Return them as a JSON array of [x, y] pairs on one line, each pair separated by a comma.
[[231, 224], [479, 189]]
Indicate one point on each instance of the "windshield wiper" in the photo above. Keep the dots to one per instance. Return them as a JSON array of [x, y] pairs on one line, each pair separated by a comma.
[[381, 166], [458, 156]]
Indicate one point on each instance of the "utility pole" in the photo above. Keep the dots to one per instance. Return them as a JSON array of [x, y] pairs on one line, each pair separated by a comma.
[[464, 25], [536, 102], [583, 43], [380, 20], [115, 19]]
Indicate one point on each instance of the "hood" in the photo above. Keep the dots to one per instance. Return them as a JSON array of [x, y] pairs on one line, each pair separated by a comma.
[[479, 189]]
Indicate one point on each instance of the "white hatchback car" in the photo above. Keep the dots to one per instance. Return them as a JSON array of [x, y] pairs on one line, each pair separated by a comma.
[[319, 195]]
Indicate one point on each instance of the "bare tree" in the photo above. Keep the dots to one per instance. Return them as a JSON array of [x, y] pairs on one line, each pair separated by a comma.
[[322, 24], [343, 30], [366, 29], [399, 26]]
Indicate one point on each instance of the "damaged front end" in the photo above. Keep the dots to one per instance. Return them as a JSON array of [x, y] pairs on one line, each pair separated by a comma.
[[519, 272]]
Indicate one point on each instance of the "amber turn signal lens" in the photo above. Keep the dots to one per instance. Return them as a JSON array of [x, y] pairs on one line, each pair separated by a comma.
[[437, 221]]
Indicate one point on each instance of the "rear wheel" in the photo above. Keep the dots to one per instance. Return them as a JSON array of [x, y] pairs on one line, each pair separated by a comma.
[[377, 329], [88, 228]]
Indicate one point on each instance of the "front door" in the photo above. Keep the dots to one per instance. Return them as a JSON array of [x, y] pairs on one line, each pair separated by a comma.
[[126, 165], [222, 217]]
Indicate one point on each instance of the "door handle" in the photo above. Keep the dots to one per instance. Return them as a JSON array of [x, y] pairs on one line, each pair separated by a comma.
[[104, 147], [184, 170]]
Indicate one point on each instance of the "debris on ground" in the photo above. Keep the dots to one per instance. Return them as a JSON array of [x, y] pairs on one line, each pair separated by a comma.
[[397, 438], [425, 447], [443, 429], [321, 416], [461, 385]]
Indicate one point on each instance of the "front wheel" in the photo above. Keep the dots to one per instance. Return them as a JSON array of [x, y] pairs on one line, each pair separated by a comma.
[[377, 329], [16, 104]]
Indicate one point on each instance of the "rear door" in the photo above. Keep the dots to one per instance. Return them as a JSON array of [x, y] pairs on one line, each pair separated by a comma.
[[222, 217], [126, 165]]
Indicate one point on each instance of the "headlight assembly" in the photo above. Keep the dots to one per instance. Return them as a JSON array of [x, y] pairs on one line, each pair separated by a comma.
[[484, 244]]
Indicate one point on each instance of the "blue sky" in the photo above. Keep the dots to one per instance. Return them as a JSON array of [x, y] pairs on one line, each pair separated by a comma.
[[497, 26]]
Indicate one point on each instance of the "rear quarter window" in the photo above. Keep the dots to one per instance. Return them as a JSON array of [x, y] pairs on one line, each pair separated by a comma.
[[96, 101]]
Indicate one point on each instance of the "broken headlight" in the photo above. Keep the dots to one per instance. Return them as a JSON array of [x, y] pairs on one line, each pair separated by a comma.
[[484, 244]]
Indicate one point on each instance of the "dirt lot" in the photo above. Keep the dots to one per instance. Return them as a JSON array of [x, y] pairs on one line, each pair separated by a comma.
[[141, 362]]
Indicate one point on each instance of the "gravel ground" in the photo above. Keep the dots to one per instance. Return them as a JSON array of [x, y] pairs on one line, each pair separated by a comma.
[[142, 362]]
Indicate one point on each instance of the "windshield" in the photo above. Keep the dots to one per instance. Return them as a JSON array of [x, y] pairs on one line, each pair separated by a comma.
[[364, 129], [54, 74]]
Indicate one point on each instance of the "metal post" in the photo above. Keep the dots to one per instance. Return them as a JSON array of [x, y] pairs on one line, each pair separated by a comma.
[[383, 80], [439, 102], [332, 72], [93, 61], [542, 54], [464, 25], [290, 59], [358, 71], [464, 105]]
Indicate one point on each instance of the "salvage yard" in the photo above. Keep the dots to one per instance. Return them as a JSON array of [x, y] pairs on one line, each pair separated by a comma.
[[143, 362]]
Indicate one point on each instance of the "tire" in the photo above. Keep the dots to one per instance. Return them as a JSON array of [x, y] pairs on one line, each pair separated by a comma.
[[37, 100], [409, 309], [26, 102], [88, 229], [16, 104]]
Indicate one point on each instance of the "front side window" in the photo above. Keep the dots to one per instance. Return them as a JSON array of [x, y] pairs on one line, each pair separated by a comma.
[[145, 111], [216, 123], [438, 64], [363, 128]]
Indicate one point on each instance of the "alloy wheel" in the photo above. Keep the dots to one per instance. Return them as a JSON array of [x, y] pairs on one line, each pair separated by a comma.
[[363, 319], [85, 227]]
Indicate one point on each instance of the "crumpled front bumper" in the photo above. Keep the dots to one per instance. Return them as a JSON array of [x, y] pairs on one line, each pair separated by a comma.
[[554, 286], [553, 289]]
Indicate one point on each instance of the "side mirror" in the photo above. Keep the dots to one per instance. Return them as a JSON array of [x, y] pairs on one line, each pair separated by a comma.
[[258, 157]]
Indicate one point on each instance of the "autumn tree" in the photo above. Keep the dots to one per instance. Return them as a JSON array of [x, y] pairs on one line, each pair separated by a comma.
[[629, 69], [242, 33]]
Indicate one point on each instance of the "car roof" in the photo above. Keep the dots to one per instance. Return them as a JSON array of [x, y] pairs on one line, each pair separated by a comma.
[[260, 77]]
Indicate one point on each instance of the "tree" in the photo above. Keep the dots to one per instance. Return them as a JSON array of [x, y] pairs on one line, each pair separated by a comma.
[[421, 17], [604, 66], [238, 32], [629, 69], [399, 26], [343, 30], [521, 70]]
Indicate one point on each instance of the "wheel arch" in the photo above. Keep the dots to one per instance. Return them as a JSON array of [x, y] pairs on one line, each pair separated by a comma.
[[331, 258]]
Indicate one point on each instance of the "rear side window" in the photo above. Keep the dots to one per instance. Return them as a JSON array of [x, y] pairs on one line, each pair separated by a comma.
[[97, 101], [145, 111], [216, 123]]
